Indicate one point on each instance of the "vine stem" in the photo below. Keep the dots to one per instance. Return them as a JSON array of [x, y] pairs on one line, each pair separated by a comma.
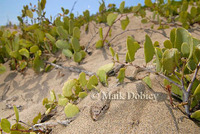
[[187, 94], [72, 69], [159, 74], [122, 15], [128, 30]]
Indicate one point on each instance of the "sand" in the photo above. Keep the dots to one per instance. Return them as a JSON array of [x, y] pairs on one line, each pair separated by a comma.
[[124, 116]]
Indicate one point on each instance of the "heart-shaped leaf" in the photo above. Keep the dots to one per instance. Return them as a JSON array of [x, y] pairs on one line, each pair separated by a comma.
[[2, 69], [121, 75], [67, 88], [24, 52], [5, 125], [82, 79], [148, 49], [121, 8], [77, 56], [62, 44], [124, 23], [111, 18], [71, 110], [93, 81]]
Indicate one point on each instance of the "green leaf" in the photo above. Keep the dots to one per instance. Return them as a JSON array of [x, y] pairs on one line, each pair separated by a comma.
[[101, 33], [15, 54], [5, 125], [124, 23], [25, 43], [101, 7], [67, 88], [37, 118], [158, 59], [76, 33], [78, 89], [38, 64], [168, 44], [48, 110], [196, 41], [127, 58], [82, 79], [62, 101], [112, 52], [156, 44], [193, 11], [77, 56], [71, 27], [53, 95], [197, 52], [111, 18], [29, 13], [50, 37], [196, 115], [147, 80], [184, 6], [144, 21], [132, 47], [45, 101], [103, 77], [136, 8], [2, 69], [82, 95], [24, 52], [43, 3], [71, 110], [34, 49], [121, 8], [191, 65], [117, 57], [83, 53], [172, 36], [148, 49], [62, 44], [169, 60], [99, 44], [185, 49], [58, 22], [148, 3], [67, 53], [106, 68], [75, 44], [22, 64], [93, 81], [16, 113], [62, 32], [121, 75], [19, 127], [197, 91], [181, 36]]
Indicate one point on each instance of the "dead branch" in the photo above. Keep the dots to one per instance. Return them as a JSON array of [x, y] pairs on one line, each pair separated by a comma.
[[72, 69], [123, 33], [73, 6]]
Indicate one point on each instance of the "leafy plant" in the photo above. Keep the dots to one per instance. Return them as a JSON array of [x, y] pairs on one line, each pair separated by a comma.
[[18, 127], [73, 90], [178, 63], [111, 19], [173, 11]]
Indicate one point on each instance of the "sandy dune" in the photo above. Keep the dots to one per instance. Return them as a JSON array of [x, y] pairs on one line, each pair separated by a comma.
[[124, 116]]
